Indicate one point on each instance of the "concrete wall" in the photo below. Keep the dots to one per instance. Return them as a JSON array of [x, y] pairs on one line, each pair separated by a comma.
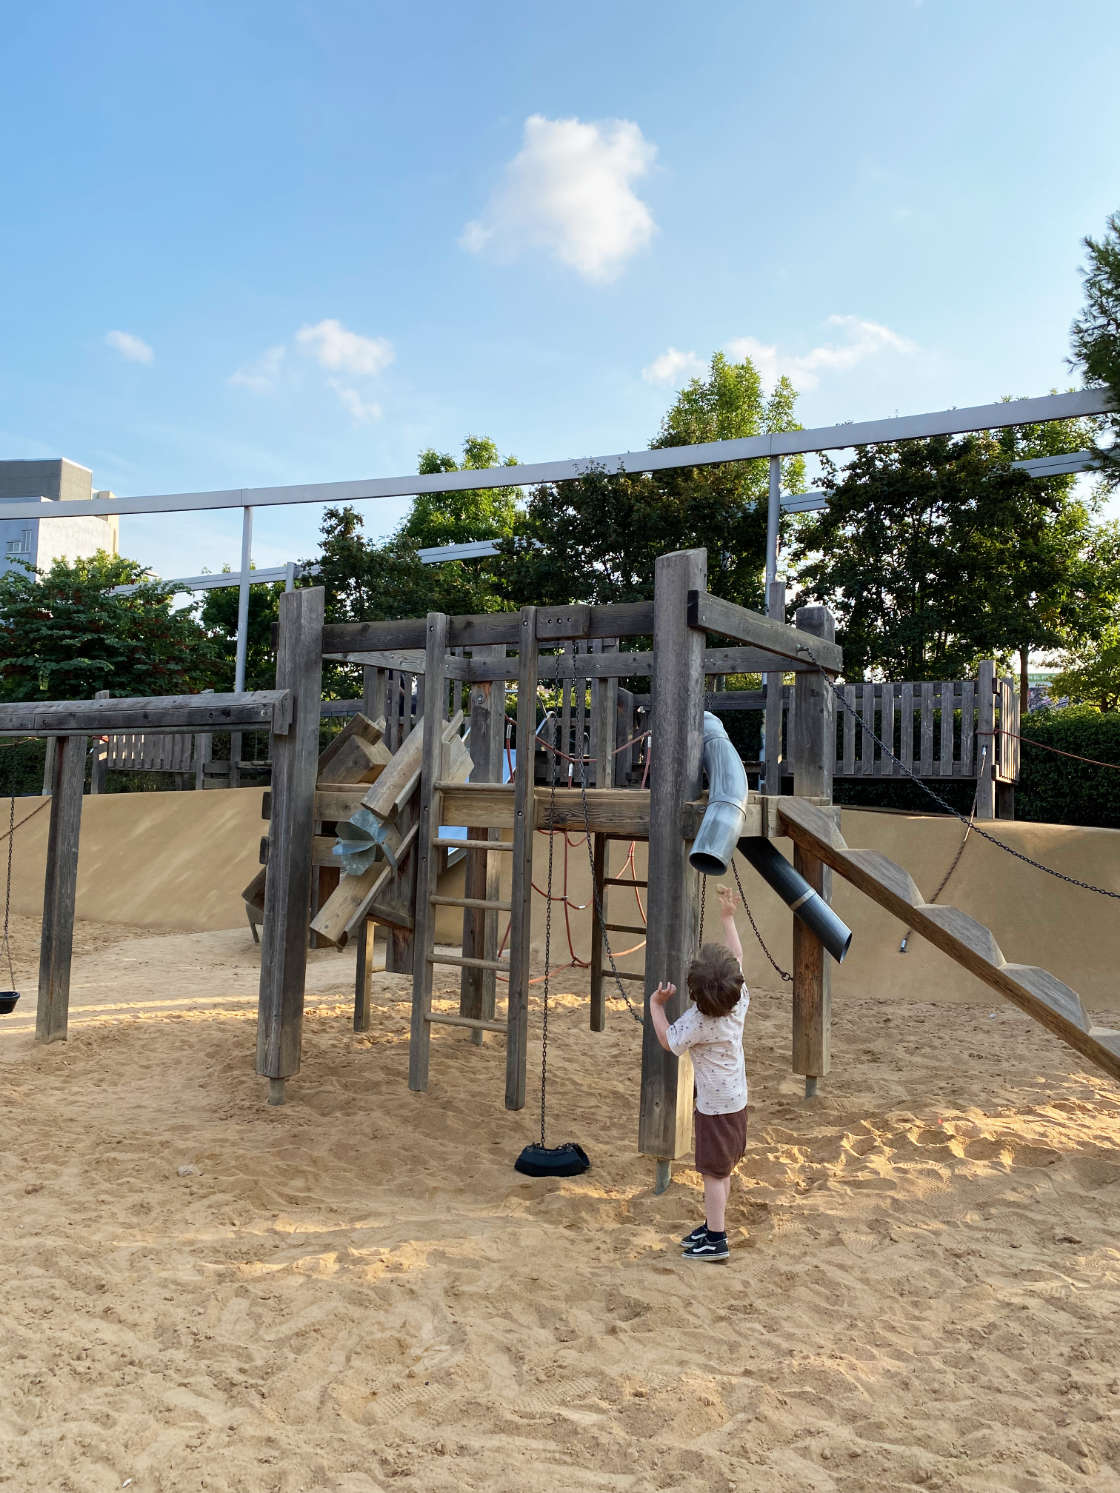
[[179, 860]]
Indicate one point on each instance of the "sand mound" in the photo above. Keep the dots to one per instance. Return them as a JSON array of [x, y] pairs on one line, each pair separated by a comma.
[[356, 1292]]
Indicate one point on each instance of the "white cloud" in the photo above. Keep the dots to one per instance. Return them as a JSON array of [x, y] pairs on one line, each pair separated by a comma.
[[342, 351], [361, 410], [865, 339], [569, 191], [673, 367], [135, 349], [261, 374]]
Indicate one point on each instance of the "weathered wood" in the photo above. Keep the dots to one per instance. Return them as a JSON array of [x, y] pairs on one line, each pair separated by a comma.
[[598, 899], [356, 755], [622, 620], [604, 711], [60, 889], [925, 763], [448, 1018], [363, 976], [726, 619], [1033, 990], [271, 708], [99, 760], [340, 915], [486, 904], [477, 991], [464, 961], [295, 760], [434, 725], [968, 726], [906, 726], [945, 762], [985, 740], [665, 1118], [814, 753], [620, 665], [522, 879], [886, 729]]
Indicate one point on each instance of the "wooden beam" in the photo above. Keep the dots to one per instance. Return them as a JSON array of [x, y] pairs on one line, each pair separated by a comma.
[[363, 976], [622, 620], [434, 724], [522, 878], [163, 713], [60, 889], [665, 1121], [295, 758], [617, 665], [713, 614]]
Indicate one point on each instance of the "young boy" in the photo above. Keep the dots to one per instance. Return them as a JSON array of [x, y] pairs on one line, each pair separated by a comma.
[[712, 1031]]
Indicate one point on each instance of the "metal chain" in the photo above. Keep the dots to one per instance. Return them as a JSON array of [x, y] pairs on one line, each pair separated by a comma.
[[1086, 886], [785, 975], [547, 957]]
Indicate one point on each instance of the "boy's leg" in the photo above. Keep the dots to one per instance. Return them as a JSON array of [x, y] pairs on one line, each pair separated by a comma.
[[716, 1192]]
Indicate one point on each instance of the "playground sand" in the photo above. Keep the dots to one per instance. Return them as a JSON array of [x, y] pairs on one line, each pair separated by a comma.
[[356, 1292]]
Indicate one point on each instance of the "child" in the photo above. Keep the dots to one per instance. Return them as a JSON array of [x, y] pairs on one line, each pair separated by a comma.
[[712, 1031]]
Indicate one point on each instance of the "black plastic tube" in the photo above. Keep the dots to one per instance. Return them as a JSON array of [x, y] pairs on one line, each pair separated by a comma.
[[797, 894]]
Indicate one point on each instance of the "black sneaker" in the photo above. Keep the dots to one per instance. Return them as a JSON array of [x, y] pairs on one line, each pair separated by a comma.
[[701, 1232], [708, 1249]]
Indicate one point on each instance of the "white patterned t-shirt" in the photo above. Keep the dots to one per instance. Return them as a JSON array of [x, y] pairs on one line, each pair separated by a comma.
[[715, 1044]]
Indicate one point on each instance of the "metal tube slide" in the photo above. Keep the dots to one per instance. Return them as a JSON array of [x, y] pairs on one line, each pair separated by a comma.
[[797, 894], [722, 823]]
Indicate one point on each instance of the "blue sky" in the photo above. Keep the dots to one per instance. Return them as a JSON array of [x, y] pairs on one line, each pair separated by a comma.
[[268, 243]]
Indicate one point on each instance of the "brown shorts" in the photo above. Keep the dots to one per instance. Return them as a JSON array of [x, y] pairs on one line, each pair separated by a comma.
[[720, 1142]]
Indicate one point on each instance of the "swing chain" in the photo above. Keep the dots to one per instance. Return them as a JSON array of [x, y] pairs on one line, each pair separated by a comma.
[[761, 943]]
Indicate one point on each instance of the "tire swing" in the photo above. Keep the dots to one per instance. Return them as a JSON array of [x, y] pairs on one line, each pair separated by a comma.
[[9, 997], [543, 1160]]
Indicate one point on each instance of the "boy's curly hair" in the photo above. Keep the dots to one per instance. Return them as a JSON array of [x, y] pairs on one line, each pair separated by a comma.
[[715, 980]]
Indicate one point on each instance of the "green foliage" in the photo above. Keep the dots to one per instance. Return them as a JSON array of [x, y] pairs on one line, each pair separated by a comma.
[[1096, 332], [596, 539], [218, 615], [1090, 674], [1056, 790], [458, 517], [934, 553], [64, 637]]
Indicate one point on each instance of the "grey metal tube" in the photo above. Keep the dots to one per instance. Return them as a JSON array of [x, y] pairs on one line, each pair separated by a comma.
[[797, 894], [722, 823]]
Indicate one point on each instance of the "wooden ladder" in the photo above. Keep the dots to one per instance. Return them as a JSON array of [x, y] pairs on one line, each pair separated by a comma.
[[1035, 991]]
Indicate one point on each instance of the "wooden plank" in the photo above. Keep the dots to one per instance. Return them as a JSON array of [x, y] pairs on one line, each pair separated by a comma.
[[604, 713], [713, 614], [814, 755], [477, 990], [295, 759], [522, 877], [98, 767], [598, 1015], [356, 755], [622, 620], [665, 1115], [363, 976], [399, 779], [463, 961], [945, 760], [925, 762], [485, 904], [887, 766], [447, 1018], [968, 726], [60, 889], [985, 740], [272, 708], [737, 660], [906, 726], [434, 725], [560, 768], [866, 707], [341, 913], [851, 731]]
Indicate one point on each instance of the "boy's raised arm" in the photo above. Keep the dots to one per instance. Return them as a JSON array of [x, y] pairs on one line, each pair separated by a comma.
[[727, 918]]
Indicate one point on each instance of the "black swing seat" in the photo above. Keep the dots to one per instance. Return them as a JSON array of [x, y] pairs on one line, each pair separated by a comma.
[[568, 1160], [8, 1000]]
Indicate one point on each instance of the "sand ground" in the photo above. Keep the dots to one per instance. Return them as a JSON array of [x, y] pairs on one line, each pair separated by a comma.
[[355, 1292]]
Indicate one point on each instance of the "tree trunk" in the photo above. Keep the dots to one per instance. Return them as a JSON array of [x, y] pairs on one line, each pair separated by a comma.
[[1024, 681]]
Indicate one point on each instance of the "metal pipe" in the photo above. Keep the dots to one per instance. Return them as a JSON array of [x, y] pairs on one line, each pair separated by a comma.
[[722, 823], [243, 599], [797, 894]]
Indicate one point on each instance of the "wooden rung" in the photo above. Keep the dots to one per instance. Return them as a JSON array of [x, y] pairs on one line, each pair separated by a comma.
[[622, 881], [473, 845], [476, 1023], [624, 928], [480, 902], [464, 963], [622, 974]]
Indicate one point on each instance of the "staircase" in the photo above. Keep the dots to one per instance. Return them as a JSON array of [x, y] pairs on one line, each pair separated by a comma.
[[1035, 991]]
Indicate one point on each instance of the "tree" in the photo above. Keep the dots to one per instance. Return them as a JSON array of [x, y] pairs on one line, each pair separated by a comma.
[[64, 636], [218, 615], [1096, 333], [596, 538], [933, 553], [458, 517], [1090, 673]]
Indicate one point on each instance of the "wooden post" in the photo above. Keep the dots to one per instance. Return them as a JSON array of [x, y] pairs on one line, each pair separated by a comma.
[[203, 751], [400, 946], [49, 766], [287, 898], [665, 1120], [60, 887], [363, 974], [814, 754], [98, 770], [772, 723], [986, 740], [522, 876], [426, 858], [483, 880]]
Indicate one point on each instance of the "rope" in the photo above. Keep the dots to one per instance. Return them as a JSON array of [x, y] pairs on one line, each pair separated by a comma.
[[1046, 747], [1086, 886]]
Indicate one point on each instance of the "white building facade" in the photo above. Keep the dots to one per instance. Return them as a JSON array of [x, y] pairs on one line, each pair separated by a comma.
[[39, 544]]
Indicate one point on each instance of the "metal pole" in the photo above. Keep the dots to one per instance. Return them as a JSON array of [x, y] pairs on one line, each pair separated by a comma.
[[772, 683], [773, 510], [243, 598], [290, 576]]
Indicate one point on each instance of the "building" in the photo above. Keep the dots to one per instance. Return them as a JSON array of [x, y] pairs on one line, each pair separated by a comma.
[[40, 543]]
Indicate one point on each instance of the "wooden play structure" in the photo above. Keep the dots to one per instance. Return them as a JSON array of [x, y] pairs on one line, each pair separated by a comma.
[[429, 750]]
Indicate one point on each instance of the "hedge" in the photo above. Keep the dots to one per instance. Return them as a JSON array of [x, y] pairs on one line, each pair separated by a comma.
[[1056, 790]]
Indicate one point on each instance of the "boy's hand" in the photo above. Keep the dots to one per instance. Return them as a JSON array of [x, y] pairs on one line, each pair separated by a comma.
[[663, 994], [726, 901]]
